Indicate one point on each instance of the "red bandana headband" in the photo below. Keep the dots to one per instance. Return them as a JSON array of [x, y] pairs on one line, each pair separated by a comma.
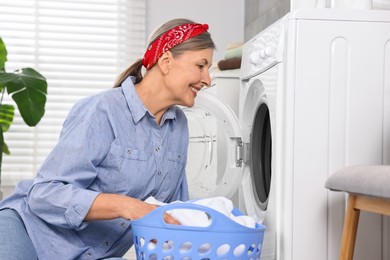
[[170, 39]]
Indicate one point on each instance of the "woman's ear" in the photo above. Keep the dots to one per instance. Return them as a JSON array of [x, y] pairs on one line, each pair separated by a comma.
[[164, 62]]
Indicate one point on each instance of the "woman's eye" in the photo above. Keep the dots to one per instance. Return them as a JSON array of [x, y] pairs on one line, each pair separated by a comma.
[[200, 66]]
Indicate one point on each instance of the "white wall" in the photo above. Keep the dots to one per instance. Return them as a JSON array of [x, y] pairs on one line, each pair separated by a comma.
[[225, 18]]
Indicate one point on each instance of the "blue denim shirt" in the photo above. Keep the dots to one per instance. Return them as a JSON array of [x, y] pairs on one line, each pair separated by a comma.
[[109, 143]]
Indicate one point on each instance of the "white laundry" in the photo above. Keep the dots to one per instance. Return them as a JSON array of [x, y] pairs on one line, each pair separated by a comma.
[[191, 217]]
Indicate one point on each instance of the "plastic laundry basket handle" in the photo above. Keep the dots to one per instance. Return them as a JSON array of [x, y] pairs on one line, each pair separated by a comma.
[[219, 222]]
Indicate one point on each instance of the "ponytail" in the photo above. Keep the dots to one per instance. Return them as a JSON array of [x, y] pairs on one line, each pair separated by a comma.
[[134, 70]]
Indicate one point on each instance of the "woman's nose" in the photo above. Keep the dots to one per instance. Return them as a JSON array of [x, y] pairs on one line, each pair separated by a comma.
[[206, 79]]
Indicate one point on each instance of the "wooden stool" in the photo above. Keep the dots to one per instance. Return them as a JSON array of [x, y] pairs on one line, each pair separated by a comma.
[[368, 188]]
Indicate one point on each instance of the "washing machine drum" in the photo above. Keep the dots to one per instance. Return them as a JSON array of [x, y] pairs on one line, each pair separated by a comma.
[[214, 163], [261, 153]]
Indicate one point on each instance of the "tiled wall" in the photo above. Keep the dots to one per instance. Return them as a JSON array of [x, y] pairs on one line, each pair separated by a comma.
[[261, 13]]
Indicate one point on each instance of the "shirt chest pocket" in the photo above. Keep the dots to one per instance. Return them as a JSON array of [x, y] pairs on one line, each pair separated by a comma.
[[127, 156], [176, 160], [124, 166]]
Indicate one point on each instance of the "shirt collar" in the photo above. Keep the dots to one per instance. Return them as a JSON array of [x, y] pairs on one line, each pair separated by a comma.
[[137, 109], [170, 114]]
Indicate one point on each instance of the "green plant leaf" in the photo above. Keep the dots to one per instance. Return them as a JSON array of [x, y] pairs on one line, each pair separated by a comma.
[[3, 54], [7, 77], [28, 89], [6, 116], [5, 148]]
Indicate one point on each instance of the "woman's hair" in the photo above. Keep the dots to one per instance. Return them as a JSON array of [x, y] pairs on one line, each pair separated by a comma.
[[199, 42]]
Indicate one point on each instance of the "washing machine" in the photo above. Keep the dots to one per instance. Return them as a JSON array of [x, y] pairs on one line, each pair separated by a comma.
[[314, 97]]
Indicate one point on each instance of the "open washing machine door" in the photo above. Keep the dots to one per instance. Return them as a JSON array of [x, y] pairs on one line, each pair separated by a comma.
[[214, 164], [255, 189]]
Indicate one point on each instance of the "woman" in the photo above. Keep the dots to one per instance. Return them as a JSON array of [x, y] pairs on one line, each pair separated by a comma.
[[116, 149]]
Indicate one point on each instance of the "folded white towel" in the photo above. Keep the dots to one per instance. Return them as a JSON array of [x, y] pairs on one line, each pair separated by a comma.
[[190, 217]]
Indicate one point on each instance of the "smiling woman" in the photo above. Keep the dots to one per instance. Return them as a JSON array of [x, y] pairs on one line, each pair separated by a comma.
[[80, 47]]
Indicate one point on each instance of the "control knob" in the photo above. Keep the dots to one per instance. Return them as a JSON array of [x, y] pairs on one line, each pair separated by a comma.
[[255, 58]]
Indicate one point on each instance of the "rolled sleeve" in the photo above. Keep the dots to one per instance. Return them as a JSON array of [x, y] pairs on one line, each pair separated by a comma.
[[79, 207]]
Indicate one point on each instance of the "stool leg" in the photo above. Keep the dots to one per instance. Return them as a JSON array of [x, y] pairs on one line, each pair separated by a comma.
[[349, 230]]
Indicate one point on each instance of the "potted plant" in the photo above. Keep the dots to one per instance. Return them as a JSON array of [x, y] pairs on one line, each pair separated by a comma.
[[28, 89]]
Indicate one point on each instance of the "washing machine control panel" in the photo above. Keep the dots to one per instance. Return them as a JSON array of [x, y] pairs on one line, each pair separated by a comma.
[[263, 51]]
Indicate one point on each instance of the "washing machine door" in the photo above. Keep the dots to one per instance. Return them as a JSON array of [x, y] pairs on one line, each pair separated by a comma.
[[257, 118], [256, 183], [214, 164]]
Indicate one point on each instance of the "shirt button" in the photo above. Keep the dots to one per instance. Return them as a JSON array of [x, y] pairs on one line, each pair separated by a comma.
[[123, 224], [158, 172], [106, 243], [129, 151], [157, 149]]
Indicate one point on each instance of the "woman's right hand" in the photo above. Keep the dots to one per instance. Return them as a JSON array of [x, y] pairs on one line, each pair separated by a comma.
[[143, 208], [109, 206]]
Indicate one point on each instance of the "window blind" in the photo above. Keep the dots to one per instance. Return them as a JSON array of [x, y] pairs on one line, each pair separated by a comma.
[[80, 47]]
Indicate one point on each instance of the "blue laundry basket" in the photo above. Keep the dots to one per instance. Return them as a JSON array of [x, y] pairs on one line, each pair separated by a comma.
[[154, 239]]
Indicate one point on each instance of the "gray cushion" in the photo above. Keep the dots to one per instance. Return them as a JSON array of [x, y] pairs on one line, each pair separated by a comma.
[[371, 180]]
